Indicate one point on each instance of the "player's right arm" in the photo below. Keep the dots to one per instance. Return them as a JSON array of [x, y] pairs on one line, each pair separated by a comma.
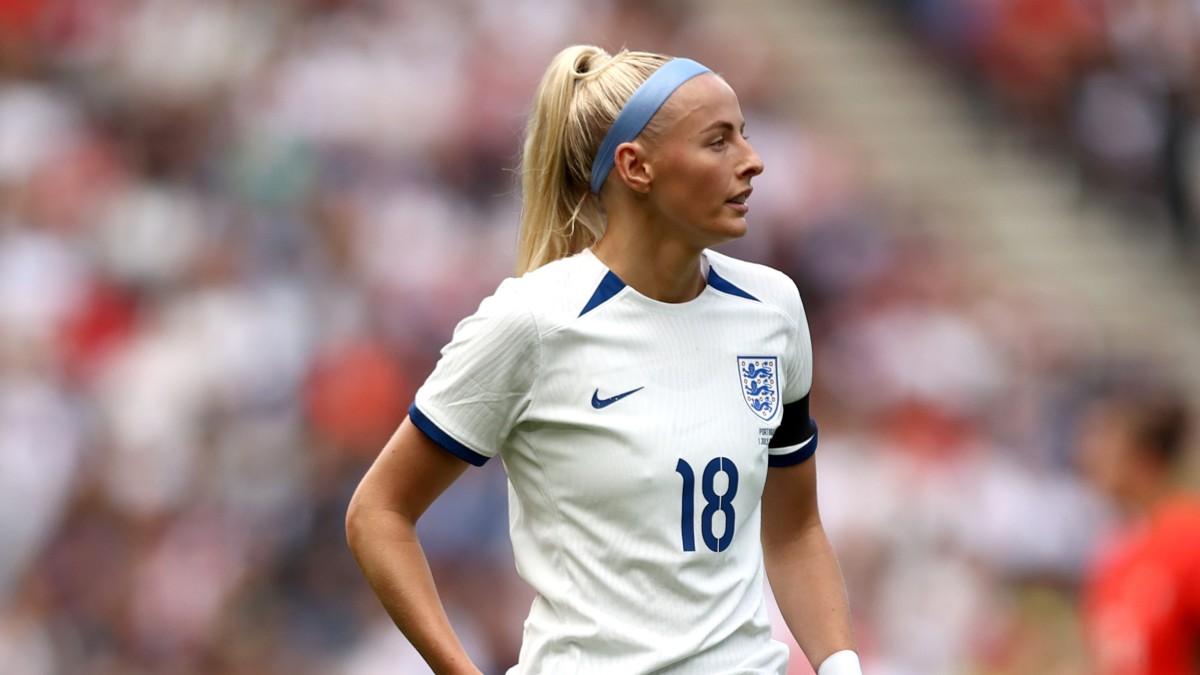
[[409, 474]]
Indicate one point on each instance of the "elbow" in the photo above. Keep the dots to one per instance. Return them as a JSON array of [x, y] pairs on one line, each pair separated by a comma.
[[354, 524], [781, 542], [773, 553]]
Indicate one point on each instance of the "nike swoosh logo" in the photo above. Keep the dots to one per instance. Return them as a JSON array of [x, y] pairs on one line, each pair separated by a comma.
[[599, 403]]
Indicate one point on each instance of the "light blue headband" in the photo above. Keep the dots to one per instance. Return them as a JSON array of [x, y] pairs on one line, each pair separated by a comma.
[[637, 112]]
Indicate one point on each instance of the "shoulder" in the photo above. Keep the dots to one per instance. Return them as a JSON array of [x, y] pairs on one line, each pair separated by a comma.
[[765, 284], [1179, 516], [1175, 530], [555, 293], [1173, 527]]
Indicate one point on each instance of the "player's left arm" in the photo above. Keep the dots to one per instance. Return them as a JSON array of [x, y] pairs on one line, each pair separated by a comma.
[[802, 567]]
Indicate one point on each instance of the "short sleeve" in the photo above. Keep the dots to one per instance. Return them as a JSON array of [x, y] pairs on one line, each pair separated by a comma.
[[796, 438], [482, 381], [798, 361]]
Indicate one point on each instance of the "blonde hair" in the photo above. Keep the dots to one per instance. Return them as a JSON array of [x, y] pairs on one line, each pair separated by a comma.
[[579, 97]]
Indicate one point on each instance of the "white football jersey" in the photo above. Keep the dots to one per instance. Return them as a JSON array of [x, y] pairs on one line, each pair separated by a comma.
[[636, 436]]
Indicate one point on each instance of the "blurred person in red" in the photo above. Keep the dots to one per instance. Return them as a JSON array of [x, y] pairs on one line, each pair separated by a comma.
[[1142, 596]]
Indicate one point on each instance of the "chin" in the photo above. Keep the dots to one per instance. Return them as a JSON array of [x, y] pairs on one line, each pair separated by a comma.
[[734, 230], [717, 238], [717, 231]]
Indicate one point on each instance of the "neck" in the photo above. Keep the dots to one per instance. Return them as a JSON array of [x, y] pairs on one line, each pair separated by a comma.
[[661, 268], [1146, 496]]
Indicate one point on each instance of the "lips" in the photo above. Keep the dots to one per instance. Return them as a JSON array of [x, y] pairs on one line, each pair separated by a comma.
[[738, 202], [741, 197]]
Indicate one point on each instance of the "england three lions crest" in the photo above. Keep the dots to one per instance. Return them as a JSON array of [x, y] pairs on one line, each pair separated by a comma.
[[760, 384]]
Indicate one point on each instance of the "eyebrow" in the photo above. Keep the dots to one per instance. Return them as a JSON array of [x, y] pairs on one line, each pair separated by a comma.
[[721, 124]]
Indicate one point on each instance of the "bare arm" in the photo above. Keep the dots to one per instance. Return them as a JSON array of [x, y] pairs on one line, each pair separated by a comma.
[[801, 564], [381, 523]]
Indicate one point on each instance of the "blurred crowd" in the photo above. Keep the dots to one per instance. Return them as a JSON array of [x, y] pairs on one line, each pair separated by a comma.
[[1113, 82], [234, 236]]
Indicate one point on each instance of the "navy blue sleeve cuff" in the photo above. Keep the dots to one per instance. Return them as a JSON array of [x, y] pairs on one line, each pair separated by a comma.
[[435, 433], [800, 454]]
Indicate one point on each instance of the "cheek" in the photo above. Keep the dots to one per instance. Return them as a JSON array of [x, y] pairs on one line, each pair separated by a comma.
[[692, 165], [1104, 462], [705, 189], [692, 183]]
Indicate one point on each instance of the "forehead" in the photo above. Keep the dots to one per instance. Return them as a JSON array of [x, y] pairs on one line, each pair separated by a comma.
[[700, 102]]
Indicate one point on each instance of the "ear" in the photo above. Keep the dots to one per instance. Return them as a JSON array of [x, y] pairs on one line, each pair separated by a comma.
[[632, 167]]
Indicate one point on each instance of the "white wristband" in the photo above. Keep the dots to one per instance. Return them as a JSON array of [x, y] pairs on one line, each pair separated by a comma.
[[844, 662]]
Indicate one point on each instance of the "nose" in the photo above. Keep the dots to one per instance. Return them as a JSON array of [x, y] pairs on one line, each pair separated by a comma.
[[752, 164]]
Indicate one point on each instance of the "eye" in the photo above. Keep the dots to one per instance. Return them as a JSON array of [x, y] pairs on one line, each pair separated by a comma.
[[718, 143]]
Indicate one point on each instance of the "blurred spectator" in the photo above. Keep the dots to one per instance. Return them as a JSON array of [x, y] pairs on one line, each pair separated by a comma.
[[1112, 82], [1143, 594]]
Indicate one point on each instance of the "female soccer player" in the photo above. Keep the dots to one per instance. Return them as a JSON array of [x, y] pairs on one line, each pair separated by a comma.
[[647, 396]]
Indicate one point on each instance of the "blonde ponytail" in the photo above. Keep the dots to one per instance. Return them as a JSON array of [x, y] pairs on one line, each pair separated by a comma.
[[581, 93]]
